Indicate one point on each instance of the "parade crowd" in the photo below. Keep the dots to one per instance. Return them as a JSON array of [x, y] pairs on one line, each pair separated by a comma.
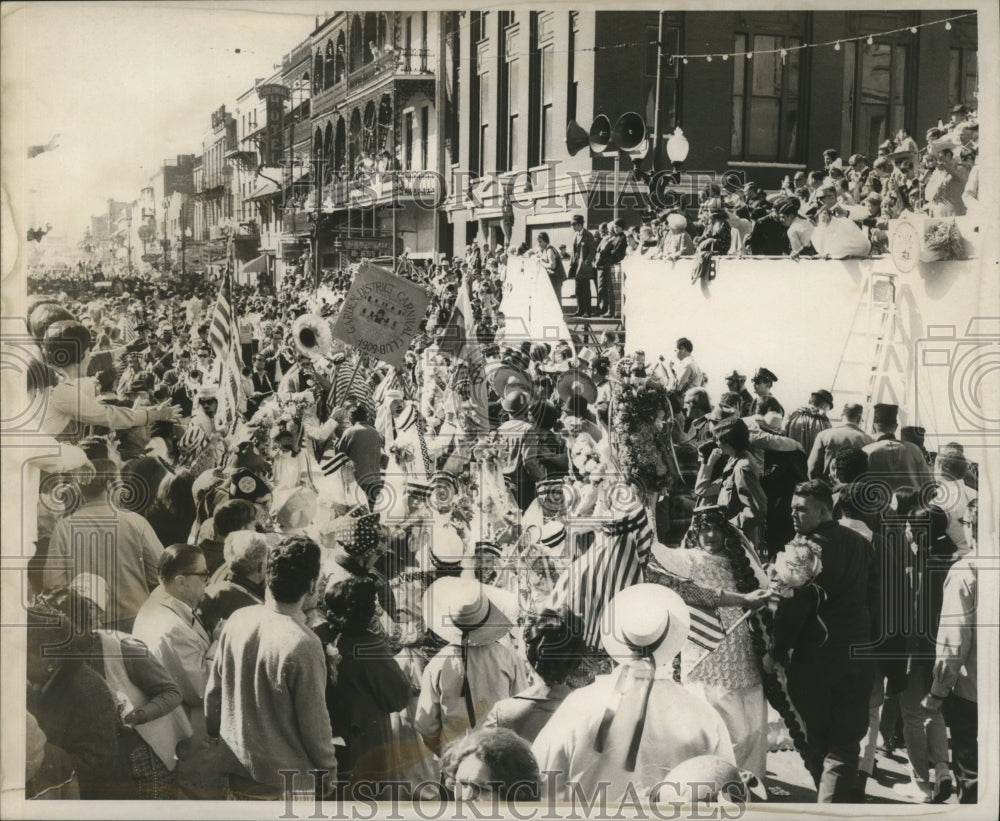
[[507, 569]]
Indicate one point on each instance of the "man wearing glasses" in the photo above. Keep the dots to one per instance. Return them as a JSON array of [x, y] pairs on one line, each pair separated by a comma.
[[167, 625]]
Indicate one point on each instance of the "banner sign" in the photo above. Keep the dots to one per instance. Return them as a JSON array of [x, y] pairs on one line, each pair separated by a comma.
[[381, 314]]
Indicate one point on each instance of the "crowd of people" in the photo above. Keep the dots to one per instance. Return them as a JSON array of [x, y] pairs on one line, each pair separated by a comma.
[[841, 210], [348, 577]]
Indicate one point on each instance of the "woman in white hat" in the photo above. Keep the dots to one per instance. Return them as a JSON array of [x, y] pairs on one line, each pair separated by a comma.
[[474, 670], [629, 728]]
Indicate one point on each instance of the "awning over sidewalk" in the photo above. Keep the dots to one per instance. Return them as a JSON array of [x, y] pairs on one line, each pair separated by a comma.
[[258, 265]]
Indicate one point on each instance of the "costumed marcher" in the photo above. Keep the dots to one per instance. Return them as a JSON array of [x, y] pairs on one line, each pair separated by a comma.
[[719, 575]]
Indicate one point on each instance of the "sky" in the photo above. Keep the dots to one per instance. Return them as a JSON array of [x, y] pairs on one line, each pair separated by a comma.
[[125, 85]]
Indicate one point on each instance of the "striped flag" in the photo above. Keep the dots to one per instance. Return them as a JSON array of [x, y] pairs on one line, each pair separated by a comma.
[[224, 337], [614, 562], [706, 628], [459, 340], [352, 382]]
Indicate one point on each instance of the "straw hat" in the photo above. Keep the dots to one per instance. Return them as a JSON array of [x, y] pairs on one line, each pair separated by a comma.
[[460, 608], [646, 618]]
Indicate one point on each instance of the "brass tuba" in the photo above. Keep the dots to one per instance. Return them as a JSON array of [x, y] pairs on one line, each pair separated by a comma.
[[312, 336]]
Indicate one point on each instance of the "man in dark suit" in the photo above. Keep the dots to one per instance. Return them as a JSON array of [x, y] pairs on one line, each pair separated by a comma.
[[847, 434], [813, 635], [898, 465], [581, 265], [611, 253]]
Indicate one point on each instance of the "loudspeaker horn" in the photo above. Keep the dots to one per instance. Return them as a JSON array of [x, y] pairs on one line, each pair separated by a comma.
[[577, 138], [629, 132], [600, 134]]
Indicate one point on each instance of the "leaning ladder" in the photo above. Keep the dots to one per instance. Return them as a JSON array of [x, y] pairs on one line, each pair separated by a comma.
[[874, 340]]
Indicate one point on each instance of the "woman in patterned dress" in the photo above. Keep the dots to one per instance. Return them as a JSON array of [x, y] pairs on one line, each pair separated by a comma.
[[706, 571]]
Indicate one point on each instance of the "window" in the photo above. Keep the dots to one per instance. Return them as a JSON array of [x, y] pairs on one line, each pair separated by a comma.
[[408, 141], [880, 95], [572, 86], [425, 131], [766, 92], [513, 80], [507, 94], [485, 152], [546, 139], [963, 77]]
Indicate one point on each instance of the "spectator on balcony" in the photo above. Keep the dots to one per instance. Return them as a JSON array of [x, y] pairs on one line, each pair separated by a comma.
[[831, 159], [857, 176], [676, 241], [945, 185], [769, 236], [798, 229]]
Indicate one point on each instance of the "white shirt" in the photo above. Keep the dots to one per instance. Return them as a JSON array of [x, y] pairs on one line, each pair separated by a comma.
[[679, 725]]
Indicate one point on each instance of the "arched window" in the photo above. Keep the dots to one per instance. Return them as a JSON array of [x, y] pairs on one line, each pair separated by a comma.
[[355, 145], [356, 45], [340, 147], [328, 166], [318, 73], [328, 68], [383, 33], [371, 37], [341, 64]]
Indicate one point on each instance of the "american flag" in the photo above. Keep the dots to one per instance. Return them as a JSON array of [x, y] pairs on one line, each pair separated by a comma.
[[613, 563], [706, 628], [352, 382], [224, 337]]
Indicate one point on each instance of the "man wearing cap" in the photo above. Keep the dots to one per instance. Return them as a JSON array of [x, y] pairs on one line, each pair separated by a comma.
[[609, 255], [581, 265], [525, 458], [474, 670], [806, 423], [736, 383], [762, 381], [848, 434], [899, 466], [626, 731], [769, 236]]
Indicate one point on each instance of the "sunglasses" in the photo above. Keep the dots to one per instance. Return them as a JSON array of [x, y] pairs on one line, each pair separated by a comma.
[[206, 575]]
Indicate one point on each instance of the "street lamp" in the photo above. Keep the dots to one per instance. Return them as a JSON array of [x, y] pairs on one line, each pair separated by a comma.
[[677, 150]]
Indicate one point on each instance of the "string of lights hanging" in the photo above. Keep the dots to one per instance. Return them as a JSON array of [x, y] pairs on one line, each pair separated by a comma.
[[783, 52]]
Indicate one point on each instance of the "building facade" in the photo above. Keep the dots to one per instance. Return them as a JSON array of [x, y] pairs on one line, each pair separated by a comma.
[[521, 78]]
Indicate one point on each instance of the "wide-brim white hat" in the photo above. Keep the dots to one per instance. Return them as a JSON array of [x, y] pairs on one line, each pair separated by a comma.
[[455, 607], [645, 619]]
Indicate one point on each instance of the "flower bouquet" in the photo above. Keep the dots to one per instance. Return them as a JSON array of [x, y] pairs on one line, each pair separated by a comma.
[[942, 240], [795, 567]]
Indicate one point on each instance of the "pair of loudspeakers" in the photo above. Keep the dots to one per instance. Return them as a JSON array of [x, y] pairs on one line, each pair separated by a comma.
[[628, 135]]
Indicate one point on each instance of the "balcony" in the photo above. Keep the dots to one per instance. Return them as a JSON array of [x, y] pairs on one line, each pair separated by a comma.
[[398, 63]]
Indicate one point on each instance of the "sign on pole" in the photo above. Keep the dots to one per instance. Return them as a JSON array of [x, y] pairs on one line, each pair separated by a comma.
[[381, 314]]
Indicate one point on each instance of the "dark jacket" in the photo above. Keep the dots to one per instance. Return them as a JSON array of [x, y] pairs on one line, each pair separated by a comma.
[[613, 251], [584, 250], [370, 686], [77, 713], [769, 238], [845, 613], [227, 595]]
